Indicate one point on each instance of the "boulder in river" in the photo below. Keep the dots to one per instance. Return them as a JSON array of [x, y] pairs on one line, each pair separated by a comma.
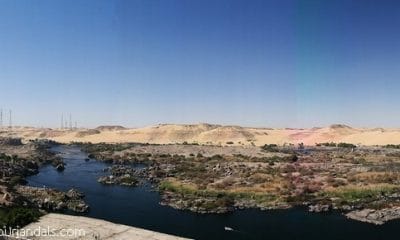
[[319, 208], [60, 167], [74, 194]]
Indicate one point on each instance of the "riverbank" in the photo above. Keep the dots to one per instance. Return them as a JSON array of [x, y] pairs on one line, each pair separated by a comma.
[[325, 177], [84, 228], [139, 206], [19, 204]]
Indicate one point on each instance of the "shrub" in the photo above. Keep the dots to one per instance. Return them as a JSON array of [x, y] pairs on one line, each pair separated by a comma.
[[326, 144], [293, 158], [346, 145], [270, 148], [18, 217], [352, 194], [17, 180], [392, 146]]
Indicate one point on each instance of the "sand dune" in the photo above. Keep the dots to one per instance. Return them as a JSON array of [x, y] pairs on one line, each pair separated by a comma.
[[212, 134]]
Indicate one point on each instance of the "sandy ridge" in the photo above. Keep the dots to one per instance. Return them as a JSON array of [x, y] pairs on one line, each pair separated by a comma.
[[211, 134]]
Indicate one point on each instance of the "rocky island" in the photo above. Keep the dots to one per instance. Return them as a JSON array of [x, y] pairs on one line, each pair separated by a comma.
[[120, 175], [212, 179]]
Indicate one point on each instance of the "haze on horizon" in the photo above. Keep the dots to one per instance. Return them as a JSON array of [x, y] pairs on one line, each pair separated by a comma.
[[281, 63]]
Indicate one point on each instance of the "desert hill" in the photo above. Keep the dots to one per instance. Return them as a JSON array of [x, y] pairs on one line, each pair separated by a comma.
[[212, 134]]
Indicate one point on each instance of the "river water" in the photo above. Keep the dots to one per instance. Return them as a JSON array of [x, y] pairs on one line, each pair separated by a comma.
[[139, 207]]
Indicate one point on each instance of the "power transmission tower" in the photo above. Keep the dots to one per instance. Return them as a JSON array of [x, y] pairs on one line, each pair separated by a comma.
[[70, 121], [76, 125], [1, 118], [62, 121], [10, 120]]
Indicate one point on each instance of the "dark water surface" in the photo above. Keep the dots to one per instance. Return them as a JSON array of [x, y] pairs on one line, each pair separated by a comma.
[[139, 207]]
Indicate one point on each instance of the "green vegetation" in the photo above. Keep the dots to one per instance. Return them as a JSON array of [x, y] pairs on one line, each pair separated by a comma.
[[5, 157], [279, 176], [346, 145], [17, 180], [270, 148], [187, 143], [392, 146], [106, 147], [326, 144], [129, 180], [221, 198], [365, 194], [332, 144], [18, 217]]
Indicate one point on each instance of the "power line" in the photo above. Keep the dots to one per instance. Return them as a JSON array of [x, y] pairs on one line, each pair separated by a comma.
[[10, 119], [70, 121], [67, 122]]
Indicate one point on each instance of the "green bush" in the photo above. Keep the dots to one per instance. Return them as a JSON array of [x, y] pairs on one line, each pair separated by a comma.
[[326, 144], [17, 180], [18, 217], [392, 146], [346, 145], [270, 148], [364, 194]]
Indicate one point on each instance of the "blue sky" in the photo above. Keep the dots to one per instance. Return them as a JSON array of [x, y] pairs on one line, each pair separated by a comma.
[[281, 63]]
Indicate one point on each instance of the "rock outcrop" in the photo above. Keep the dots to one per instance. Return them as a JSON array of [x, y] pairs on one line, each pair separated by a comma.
[[53, 200], [377, 217], [90, 229], [120, 175]]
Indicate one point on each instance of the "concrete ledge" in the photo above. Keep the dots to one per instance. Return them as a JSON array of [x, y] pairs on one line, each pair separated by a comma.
[[93, 229]]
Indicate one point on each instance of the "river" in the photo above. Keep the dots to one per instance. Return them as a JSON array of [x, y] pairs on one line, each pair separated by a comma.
[[139, 207]]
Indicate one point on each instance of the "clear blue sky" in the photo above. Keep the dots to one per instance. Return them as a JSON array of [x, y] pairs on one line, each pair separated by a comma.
[[281, 63]]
